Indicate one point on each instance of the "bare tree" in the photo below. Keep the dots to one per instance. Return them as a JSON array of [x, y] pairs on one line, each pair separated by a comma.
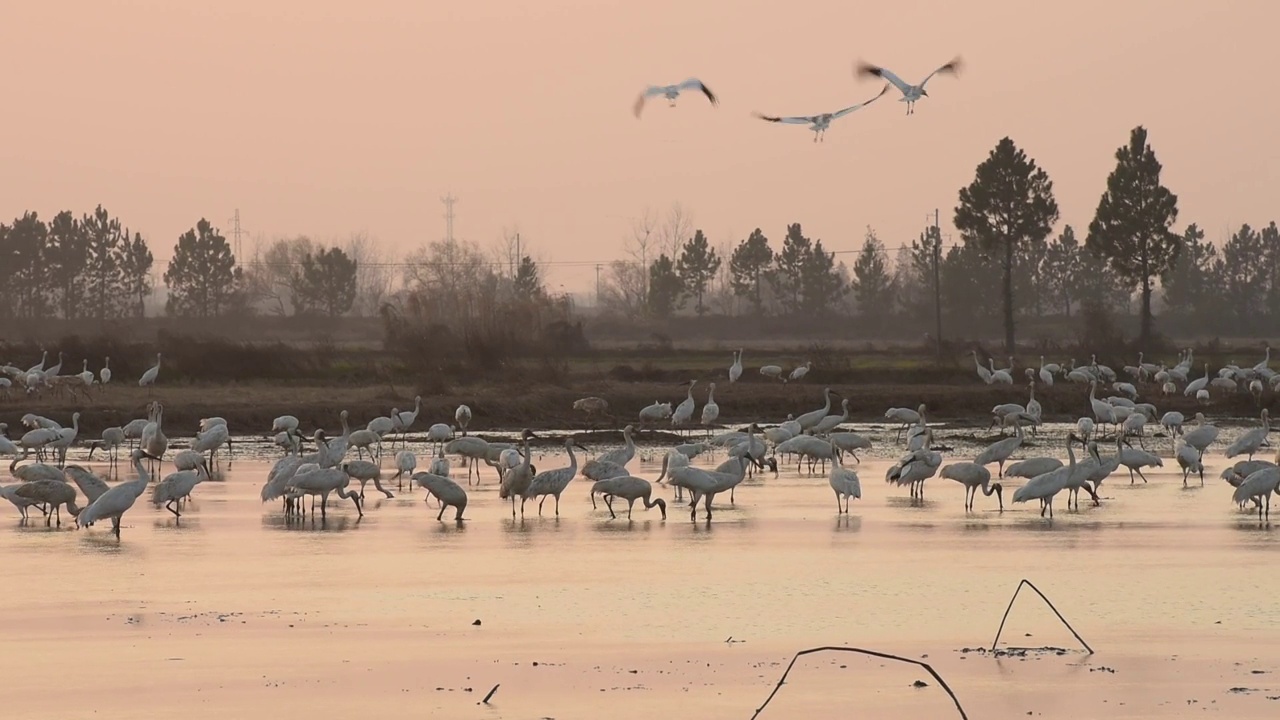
[[675, 230], [624, 292], [374, 275], [639, 244], [273, 276], [507, 251]]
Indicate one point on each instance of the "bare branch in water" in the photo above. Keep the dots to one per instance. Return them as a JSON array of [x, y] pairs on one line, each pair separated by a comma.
[[872, 653], [1029, 584], [491, 692]]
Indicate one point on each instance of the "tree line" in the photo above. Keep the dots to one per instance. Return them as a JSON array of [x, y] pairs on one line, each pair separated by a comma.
[[1009, 264], [93, 267]]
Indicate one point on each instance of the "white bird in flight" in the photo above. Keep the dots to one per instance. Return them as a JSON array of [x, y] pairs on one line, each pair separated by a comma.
[[910, 93], [819, 123], [671, 92]]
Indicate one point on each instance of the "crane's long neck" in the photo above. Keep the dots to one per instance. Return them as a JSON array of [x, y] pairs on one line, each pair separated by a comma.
[[652, 502], [524, 462], [1071, 456], [988, 489], [143, 477], [573, 460]]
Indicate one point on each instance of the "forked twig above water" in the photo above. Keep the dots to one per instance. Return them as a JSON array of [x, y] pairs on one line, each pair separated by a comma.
[[872, 653], [1029, 584]]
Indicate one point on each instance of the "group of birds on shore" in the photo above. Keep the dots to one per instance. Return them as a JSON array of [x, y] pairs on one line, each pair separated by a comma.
[[40, 378], [819, 123], [1168, 380]]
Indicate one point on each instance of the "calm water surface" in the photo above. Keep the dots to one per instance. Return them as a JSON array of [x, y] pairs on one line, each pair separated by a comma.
[[232, 612]]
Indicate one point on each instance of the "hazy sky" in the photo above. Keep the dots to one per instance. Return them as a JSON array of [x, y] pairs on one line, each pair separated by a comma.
[[323, 117]]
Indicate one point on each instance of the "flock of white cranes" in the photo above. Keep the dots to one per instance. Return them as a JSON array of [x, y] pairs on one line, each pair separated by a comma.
[[47, 482], [820, 122], [40, 378]]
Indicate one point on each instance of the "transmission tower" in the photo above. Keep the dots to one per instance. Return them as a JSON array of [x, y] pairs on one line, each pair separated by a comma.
[[236, 232], [448, 201]]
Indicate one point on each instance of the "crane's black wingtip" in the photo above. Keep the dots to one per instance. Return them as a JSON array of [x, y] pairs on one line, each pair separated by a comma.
[[865, 68], [710, 95]]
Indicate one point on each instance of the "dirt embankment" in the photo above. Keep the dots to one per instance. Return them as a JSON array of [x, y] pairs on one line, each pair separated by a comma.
[[251, 407]]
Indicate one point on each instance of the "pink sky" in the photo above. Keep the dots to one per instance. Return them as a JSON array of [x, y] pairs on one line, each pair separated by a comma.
[[321, 117]]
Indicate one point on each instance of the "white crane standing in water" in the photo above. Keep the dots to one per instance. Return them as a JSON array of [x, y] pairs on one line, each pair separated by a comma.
[[516, 480], [553, 482], [1045, 487], [844, 482], [115, 502]]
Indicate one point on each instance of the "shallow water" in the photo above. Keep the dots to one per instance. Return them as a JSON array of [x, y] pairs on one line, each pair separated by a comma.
[[232, 612]]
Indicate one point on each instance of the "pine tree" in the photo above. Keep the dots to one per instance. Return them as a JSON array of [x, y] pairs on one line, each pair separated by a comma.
[[787, 275], [872, 284], [1245, 278], [202, 278], [134, 263], [1008, 205], [749, 265], [328, 282], [696, 267], [1131, 226], [666, 289], [528, 281], [68, 253], [822, 282], [104, 240]]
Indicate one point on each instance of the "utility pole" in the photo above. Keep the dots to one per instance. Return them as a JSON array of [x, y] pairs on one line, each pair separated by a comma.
[[597, 285], [937, 282], [236, 232], [448, 201], [519, 259]]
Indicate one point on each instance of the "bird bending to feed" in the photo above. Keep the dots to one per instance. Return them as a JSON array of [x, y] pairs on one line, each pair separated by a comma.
[[446, 491], [910, 93], [974, 476], [629, 488], [819, 123], [671, 92]]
